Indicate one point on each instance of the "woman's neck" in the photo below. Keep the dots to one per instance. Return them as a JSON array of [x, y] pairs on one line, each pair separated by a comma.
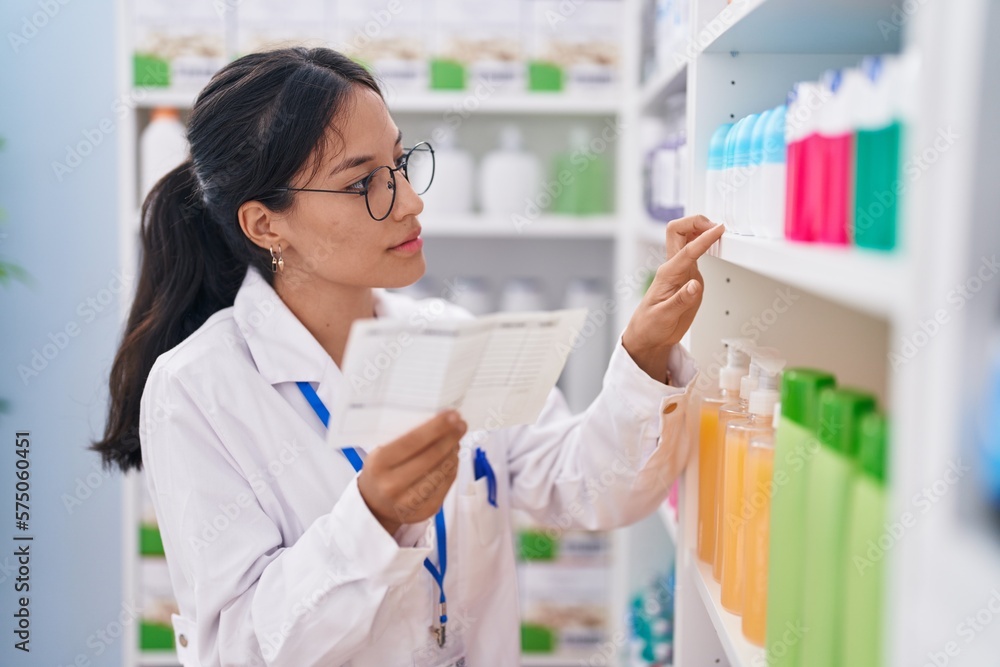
[[327, 310]]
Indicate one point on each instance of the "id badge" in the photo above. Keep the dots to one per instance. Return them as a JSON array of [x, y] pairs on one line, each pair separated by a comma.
[[452, 654]]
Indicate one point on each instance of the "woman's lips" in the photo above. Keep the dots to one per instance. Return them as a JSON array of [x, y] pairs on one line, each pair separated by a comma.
[[409, 247]]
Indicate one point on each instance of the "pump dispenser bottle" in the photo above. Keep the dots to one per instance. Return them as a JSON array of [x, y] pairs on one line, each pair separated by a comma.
[[737, 365], [757, 490], [763, 398], [729, 412]]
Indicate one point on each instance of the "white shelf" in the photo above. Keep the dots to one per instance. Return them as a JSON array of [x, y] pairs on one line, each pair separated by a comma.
[[669, 520], [523, 104], [653, 232], [158, 659], [865, 280], [458, 102], [792, 26], [548, 226], [739, 651], [528, 660], [661, 86]]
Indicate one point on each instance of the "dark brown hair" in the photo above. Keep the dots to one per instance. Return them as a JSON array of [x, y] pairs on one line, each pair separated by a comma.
[[252, 129]]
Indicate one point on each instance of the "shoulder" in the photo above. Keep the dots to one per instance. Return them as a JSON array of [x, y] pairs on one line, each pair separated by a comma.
[[217, 350]]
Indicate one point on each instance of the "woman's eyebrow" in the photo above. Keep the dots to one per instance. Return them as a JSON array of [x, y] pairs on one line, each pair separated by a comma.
[[359, 160]]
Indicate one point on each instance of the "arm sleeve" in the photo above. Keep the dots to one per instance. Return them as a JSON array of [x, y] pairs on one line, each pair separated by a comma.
[[612, 464], [257, 600]]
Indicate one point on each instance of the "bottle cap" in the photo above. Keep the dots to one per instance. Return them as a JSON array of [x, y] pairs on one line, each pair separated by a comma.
[[717, 147], [757, 137], [737, 362], [741, 151], [164, 113], [765, 395], [800, 389], [840, 413], [730, 148], [873, 448]]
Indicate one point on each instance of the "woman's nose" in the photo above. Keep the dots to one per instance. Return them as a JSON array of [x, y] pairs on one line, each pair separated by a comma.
[[408, 202]]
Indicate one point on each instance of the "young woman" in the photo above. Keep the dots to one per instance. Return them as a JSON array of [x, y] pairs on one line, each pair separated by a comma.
[[297, 206]]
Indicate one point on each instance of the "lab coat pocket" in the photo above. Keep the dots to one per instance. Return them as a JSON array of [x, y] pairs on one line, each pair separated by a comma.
[[481, 539], [488, 519], [673, 449], [185, 640]]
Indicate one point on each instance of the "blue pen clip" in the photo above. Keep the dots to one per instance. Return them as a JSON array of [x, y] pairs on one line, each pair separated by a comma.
[[482, 468]]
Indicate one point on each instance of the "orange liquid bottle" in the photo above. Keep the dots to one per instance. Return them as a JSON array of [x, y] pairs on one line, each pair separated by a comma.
[[709, 440], [727, 414], [734, 518], [757, 490]]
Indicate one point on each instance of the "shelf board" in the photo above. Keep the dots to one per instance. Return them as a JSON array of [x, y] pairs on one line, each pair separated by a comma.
[[548, 226], [529, 660], [669, 520], [158, 659], [461, 103], [653, 232], [739, 651], [793, 26], [469, 102], [673, 79], [865, 280]]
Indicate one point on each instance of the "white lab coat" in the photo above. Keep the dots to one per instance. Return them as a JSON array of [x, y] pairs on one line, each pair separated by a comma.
[[274, 557]]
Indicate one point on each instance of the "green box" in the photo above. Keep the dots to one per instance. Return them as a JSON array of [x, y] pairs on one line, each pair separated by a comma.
[[149, 71], [447, 75], [536, 545], [155, 636], [150, 541], [537, 639], [544, 77]]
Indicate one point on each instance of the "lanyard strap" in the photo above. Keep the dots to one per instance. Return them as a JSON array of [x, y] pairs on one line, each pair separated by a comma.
[[357, 463]]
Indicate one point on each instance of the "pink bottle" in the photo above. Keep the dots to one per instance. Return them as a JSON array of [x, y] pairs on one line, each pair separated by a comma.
[[835, 141], [799, 129]]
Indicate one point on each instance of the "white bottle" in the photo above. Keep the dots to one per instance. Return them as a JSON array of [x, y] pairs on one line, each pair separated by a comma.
[[584, 372], [522, 295], [451, 191], [162, 147], [509, 177], [773, 178]]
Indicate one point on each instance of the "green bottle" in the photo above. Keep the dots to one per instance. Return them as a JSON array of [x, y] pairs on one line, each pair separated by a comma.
[[580, 182], [864, 565], [795, 442], [830, 478], [877, 183]]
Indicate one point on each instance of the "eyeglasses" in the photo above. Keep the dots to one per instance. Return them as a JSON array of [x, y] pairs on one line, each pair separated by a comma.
[[379, 187]]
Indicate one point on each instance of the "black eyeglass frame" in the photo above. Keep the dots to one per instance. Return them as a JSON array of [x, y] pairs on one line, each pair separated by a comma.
[[404, 163]]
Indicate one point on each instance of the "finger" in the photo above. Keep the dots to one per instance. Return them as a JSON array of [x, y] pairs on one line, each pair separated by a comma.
[[681, 230], [426, 435], [416, 467], [683, 300], [697, 247]]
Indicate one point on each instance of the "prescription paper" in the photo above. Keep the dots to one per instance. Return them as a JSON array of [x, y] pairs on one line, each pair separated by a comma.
[[496, 370]]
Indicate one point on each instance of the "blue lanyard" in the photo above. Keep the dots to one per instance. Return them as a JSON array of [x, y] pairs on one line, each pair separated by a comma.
[[442, 539]]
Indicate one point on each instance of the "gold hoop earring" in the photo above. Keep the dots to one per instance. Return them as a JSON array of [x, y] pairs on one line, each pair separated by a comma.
[[277, 261]]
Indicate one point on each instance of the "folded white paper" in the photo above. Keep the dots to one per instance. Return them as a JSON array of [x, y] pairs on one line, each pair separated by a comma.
[[497, 371]]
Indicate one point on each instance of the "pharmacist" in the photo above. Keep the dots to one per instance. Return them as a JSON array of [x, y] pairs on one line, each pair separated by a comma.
[[298, 204]]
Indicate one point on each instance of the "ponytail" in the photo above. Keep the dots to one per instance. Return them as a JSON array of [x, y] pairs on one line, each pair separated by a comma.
[[252, 129], [187, 273]]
